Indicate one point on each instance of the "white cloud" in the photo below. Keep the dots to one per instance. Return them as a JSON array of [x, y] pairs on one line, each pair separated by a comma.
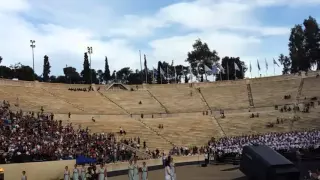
[[225, 44], [64, 29]]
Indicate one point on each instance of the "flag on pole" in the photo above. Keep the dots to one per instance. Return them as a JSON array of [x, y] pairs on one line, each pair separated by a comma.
[[266, 63], [236, 67], [275, 62], [207, 69], [221, 69], [145, 62], [258, 65], [191, 74], [155, 72], [250, 67], [145, 68], [215, 69], [162, 71]]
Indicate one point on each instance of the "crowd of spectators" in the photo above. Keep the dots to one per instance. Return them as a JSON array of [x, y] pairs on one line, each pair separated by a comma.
[[29, 137]]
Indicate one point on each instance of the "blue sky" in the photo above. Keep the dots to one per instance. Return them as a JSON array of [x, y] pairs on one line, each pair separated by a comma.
[[163, 30]]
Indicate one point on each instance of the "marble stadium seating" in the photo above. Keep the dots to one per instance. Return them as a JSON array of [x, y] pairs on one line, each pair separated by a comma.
[[179, 107]]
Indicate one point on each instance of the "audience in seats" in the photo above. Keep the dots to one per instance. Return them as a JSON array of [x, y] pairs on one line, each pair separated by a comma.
[[26, 138], [287, 96], [90, 88], [122, 132], [314, 175]]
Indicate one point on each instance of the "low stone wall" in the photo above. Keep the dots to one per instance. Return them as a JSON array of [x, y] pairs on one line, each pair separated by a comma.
[[53, 170]]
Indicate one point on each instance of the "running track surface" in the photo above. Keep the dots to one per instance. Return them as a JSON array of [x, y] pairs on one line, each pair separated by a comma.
[[212, 172]]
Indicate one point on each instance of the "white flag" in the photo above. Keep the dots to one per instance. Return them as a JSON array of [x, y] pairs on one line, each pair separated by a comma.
[[221, 69], [275, 62], [236, 67], [215, 69], [207, 69], [161, 71]]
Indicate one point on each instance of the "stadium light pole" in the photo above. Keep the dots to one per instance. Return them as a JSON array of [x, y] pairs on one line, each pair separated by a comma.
[[90, 52], [32, 47]]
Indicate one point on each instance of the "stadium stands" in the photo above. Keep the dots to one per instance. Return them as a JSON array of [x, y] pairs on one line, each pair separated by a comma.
[[130, 100], [179, 99], [185, 129], [270, 93], [311, 87], [109, 123], [230, 96], [89, 102], [185, 103]]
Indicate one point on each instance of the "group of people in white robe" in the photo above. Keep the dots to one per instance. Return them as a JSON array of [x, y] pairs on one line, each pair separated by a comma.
[[84, 174], [135, 172], [284, 141], [280, 141]]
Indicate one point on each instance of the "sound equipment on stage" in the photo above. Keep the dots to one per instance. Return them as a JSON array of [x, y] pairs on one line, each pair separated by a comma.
[[203, 165], [263, 163]]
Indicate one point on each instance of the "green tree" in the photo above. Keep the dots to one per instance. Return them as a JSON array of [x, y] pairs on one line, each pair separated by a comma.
[[201, 55], [94, 75], [123, 74], [106, 76], [6, 72], [61, 79], [100, 76], [286, 63], [52, 79], [46, 69], [134, 78], [113, 76], [159, 75], [23, 72], [85, 73], [296, 50], [312, 41], [228, 63], [71, 75]]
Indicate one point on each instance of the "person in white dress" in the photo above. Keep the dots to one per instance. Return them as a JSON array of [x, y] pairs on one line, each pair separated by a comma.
[[75, 175], [167, 169], [135, 170], [144, 173], [130, 170], [83, 172], [102, 172], [24, 176], [173, 169], [66, 175]]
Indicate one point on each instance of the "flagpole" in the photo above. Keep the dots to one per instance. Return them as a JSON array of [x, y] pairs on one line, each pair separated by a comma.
[[167, 75], [242, 72], [274, 69], [141, 67], [146, 71], [175, 75], [258, 68], [152, 75], [191, 74], [228, 70], [235, 72]]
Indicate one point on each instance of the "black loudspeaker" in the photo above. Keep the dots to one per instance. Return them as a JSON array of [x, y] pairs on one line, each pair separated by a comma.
[[203, 165]]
